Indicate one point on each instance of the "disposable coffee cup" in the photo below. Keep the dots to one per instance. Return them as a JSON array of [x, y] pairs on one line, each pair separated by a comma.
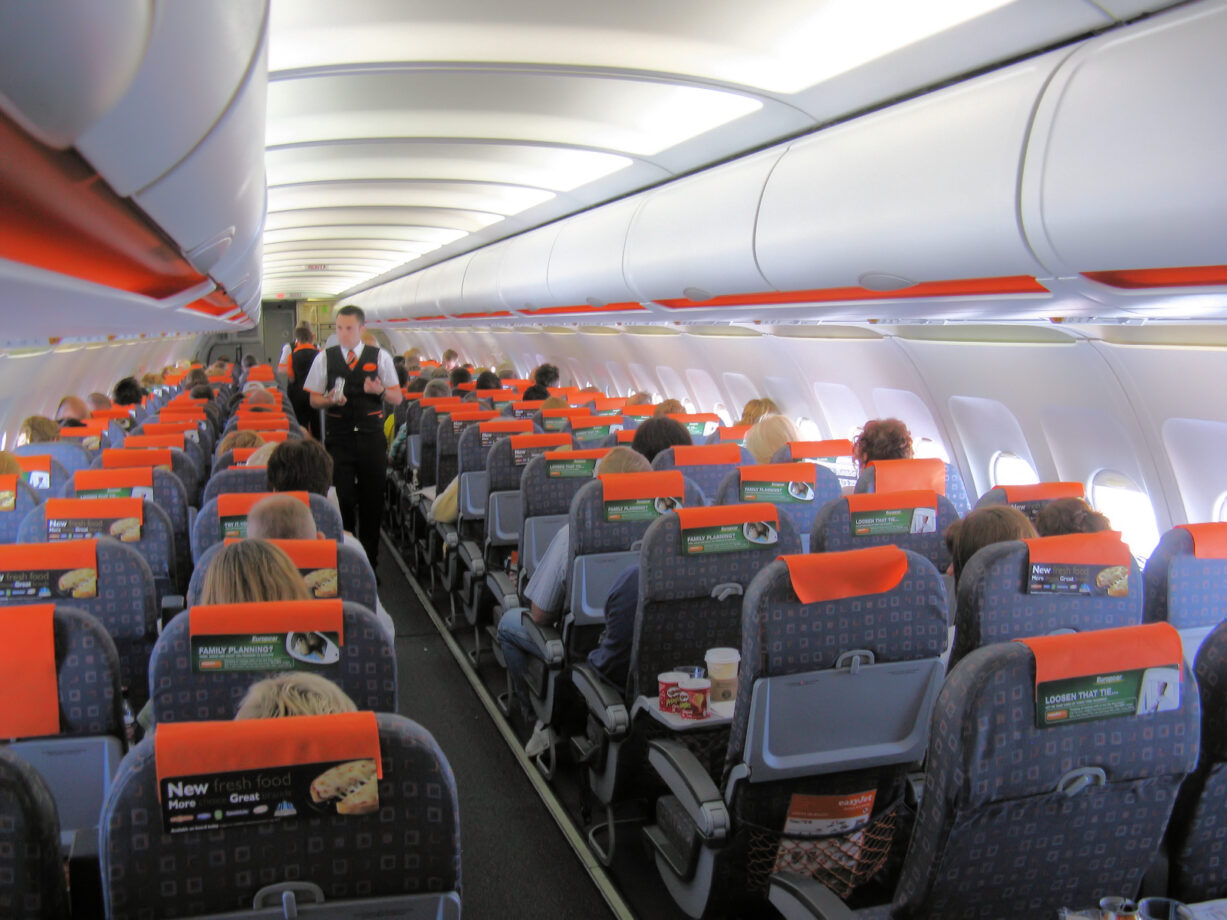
[[694, 693], [722, 668], [1117, 908], [667, 682]]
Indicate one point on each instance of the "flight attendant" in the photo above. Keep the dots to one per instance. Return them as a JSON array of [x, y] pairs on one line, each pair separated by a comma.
[[301, 359], [351, 381]]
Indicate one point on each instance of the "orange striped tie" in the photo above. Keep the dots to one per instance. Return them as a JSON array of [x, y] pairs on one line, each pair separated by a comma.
[[353, 360]]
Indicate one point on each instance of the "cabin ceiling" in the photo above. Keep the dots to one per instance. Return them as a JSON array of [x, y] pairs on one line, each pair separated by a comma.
[[402, 133]]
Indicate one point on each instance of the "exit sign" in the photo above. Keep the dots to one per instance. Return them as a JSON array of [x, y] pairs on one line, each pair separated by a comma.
[[316, 267]]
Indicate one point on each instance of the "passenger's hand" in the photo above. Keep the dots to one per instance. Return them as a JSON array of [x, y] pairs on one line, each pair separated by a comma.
[[373, 386]]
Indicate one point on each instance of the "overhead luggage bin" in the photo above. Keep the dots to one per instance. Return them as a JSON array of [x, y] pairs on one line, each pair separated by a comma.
[[443, 284], [926, 190], [586, 261], [1127, 148], [479, 292], [694, 238], [522, 275]]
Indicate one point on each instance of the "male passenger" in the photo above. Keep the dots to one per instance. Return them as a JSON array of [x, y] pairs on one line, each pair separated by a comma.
[[97, 401], [351, 381], [71, 411]]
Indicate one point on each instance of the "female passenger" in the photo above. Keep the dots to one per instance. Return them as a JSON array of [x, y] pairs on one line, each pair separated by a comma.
[[294, 693], [769, 435], [983, 526], [249, 571]]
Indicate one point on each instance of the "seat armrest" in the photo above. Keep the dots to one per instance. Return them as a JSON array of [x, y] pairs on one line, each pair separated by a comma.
[[449, 533], [172, 605], [603, 701], [473, 558], [692, 787], [800, 898], [545, 639], [503, 588]]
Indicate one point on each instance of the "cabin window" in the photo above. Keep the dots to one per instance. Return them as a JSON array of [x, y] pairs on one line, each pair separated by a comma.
[[927, 449], [1009, 469], [1114, 494], [723, 411], [687, 405], [1220, 506], [808, 429], [620, 382]]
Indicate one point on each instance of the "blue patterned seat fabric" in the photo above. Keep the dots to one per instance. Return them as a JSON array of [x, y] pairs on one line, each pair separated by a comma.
[[366, 672], [32, 878], [802, 514], [156, 545], [236, 479], [10, 521], [183, 468], [88, 676], [71, 456], [678, 619], [127, 607], [411, 846], [429, 428], [956, 491], [207, 528], [1199, 844], [1188, 592], [995, 838], [832, 532], [707, 476], [994, 606]]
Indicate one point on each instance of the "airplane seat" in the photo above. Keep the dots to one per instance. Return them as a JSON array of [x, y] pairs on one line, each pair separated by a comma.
[[43, 473], [429, 430], [602, 544], [24, 500], [173, 459], [181, 442], [472, 497], [359, 656], [797, 489], [689, 601], [1183, 581], [729, 434], [1198, 845], [142, 481], [705, 465], [928, 473], [63, 666], [915, 519], [137, 522], [236, 479], [1031, 499], [447, 446], [71, 456], [355, 579], [1013, 589], [835, 455], [841, 651], [35, 884], [103, 577], [397, 855], [226, 516]]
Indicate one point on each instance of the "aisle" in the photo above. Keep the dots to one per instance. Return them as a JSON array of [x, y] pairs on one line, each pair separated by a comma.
[[515, 863]]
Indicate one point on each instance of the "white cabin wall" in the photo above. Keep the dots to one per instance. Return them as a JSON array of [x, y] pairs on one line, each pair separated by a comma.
[[35, 384]]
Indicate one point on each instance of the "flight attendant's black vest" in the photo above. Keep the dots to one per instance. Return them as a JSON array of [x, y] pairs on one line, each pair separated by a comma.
[[300, 364], [362, 410]]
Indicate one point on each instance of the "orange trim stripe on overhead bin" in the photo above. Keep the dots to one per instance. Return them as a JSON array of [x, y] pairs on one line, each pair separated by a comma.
[[967, 287], [1191, 276], [57, 214], [584, 308]]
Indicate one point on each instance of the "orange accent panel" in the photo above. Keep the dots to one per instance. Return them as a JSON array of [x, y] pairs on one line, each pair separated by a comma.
[[732, 432], [1043, 491], [551, 439], [584, 308], [508, 425], [263, 423], [820, 577], [1015, 284], [310, 554], [88, 429], [171, 426], [527, 405], [39, 557], [195, 748], [1103, 548], [490, 315], [117, 457], [780, 472], [1103, 651], [595, 453], [28, 677], [715, 515], [243, 454], [659, 484], [261, 373], [76, 509], [495, 394], [470, 415], [706, 455], [469, 387], [171, 441], [1209, 540], [890, 501], [625, 436], [567, 412], [119, 413], [34, 463], [126, 477], [238, 504], [898, 475], [427, 402], [57, 214], [600, 403], [640, 411], [1192, 276], [685, 417], [269, 616], [592, 421], [428, 319]]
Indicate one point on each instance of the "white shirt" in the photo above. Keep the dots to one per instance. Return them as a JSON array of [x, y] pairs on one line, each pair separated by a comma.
[[286, 350], [317, 378]]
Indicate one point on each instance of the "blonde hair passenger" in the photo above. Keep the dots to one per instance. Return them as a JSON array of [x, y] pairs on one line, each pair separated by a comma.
[[252, 570], [769, 435], [294, 693]]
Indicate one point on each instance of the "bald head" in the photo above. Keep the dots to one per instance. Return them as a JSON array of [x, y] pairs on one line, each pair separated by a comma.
[[281, 517]]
